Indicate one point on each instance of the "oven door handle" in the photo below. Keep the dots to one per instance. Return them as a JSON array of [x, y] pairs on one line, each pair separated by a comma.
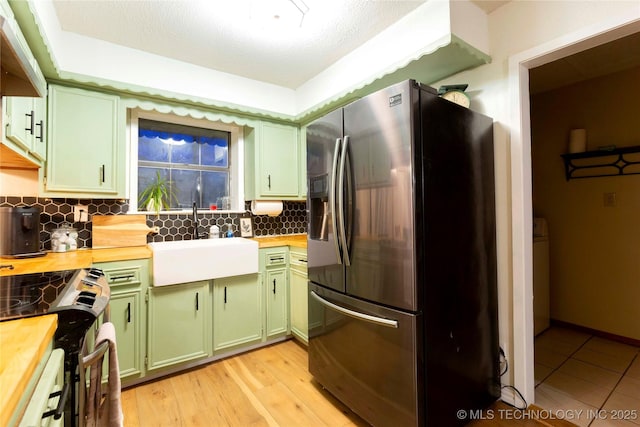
[[356, 314], [62, 402]]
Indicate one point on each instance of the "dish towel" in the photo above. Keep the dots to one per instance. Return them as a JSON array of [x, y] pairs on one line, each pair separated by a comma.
[[109, 411]]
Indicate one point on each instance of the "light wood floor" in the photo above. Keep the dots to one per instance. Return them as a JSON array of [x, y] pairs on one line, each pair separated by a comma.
[[270, 386]]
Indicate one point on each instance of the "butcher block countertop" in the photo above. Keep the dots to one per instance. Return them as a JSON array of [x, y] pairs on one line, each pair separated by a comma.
[[295, 240], [82, 258], [23, 343]]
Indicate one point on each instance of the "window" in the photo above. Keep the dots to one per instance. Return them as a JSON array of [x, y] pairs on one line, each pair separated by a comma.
[[199, 158]]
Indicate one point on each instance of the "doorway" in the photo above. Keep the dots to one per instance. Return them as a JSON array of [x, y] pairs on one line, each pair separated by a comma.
[[521, 193], [591, 230]]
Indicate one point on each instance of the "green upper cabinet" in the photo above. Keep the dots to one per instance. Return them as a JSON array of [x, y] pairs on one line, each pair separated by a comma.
[[21, 74], [86, 144], [303, 163], [25, 126], [272, 162]]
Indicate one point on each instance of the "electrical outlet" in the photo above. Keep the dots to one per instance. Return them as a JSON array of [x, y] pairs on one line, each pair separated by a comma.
[[80, 213], [609, 200]]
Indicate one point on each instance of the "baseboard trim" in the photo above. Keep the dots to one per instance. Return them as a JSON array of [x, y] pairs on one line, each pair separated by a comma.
[[613, 337]]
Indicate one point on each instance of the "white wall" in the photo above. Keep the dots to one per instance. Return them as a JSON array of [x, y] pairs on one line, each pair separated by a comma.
[[527, 29]]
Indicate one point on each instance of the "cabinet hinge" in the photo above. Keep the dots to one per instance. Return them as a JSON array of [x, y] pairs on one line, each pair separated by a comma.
[[146, 362], [146, 296]]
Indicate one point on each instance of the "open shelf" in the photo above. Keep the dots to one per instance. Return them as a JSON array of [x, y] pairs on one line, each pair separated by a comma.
[[591, 164]]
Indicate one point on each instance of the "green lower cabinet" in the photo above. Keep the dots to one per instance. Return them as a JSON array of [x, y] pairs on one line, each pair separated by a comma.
[[126, 316], [237, 312], [179, 324], [298, 294], [298, 290], [128, 282], [277, 302]]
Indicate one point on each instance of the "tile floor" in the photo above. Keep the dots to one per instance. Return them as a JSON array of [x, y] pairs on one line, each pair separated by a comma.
[[594, 380]]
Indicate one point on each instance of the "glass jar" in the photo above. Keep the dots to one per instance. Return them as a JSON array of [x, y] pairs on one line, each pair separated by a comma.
[[64, 238]]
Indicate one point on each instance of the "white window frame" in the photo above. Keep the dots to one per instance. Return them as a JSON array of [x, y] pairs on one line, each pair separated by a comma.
[[236, 157]]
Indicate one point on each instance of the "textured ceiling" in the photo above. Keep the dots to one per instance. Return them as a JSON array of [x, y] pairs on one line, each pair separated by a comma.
[[228, 35], [618, 55]]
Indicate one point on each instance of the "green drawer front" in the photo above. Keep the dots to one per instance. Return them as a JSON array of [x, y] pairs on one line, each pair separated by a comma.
[[298, 260], [276, 258], [123, 276]]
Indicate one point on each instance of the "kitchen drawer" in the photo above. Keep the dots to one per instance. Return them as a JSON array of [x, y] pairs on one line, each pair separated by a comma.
[[123, 276], [124, 273], [298, 260], [275, 258]]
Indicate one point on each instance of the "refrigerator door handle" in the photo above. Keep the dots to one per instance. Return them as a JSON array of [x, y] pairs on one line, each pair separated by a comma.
[[341, 224], [356, 314], [332, 198]]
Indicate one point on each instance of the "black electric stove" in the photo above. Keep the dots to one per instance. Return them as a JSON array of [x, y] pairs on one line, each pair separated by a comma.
[[28, 295], [78, 297]]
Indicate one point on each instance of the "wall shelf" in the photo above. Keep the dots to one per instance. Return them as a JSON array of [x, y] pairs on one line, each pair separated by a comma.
[[591, 164]]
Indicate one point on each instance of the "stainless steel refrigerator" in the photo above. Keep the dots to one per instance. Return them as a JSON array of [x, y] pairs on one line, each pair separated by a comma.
[[402, 258]]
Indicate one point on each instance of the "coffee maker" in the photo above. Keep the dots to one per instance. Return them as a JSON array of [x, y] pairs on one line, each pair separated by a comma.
[[20, 232]]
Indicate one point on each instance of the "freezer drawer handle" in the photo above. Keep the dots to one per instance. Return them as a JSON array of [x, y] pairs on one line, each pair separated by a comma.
[[357, 315]]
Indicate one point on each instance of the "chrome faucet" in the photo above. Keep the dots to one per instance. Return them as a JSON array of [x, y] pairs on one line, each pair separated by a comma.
[[194, 220]]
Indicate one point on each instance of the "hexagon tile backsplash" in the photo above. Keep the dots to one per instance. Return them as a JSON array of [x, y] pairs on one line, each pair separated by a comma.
[[178, 226]]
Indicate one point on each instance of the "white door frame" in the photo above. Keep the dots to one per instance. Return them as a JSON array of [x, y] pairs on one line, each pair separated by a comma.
[[521, 204]]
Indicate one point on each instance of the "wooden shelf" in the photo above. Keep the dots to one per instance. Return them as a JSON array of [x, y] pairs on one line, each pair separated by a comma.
[[592, 164]]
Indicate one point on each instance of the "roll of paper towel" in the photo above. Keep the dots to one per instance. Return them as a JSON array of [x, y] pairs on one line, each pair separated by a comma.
[[266, 207], [578, 140]]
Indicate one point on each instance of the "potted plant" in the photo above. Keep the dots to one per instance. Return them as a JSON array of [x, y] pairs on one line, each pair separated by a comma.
[[158, 195]]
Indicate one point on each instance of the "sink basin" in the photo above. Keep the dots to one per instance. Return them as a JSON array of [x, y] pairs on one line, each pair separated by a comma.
[[191, 260]]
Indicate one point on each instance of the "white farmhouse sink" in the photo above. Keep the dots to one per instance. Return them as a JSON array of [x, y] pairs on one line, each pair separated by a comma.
[[191, 260]]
